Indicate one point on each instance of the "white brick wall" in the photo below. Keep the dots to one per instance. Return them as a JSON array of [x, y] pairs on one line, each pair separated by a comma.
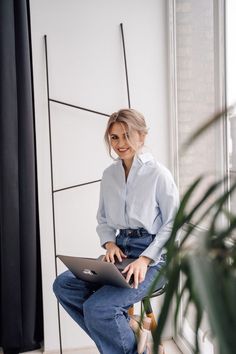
[[195, 56]]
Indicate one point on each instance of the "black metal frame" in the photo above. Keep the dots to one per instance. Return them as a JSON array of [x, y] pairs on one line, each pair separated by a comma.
[[53, 191]]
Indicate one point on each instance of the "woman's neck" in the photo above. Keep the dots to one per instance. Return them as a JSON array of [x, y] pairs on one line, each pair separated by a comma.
[[127, 166]]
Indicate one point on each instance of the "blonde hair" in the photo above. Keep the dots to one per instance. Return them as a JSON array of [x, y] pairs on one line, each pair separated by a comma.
[[132, 119]]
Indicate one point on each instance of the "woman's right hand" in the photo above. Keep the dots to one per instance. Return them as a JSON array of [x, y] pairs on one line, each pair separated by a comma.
[[112, 251]]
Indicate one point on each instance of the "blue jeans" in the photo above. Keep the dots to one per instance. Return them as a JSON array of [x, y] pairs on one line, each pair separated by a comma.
[[102, 310]]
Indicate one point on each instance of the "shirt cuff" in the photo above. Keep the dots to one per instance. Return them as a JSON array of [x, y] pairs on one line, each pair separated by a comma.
[[106, 236], [153, 253]]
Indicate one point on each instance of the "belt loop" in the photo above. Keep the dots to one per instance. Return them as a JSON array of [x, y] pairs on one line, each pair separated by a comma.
[[139, 233]]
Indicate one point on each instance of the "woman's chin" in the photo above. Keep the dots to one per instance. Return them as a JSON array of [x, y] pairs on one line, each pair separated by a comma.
[[127, 156]]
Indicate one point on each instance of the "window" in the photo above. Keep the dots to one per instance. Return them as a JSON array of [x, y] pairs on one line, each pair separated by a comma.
[[198, 94], [198, 90]]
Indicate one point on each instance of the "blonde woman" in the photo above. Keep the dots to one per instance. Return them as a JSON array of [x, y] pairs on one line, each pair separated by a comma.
[[138, 201]]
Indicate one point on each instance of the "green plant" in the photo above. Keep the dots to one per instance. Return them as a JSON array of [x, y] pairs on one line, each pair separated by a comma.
[[206, 266]]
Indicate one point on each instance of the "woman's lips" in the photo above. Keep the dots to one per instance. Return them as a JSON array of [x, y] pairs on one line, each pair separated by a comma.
[[123, 150]]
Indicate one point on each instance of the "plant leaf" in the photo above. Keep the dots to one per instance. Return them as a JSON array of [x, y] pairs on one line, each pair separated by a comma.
[[208, 288], [169, 294], [204, 127]]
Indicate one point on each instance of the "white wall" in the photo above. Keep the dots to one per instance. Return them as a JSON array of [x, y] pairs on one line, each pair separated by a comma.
[[86, 68]]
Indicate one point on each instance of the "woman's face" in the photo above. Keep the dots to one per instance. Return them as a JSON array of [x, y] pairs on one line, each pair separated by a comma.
[[119, 140]]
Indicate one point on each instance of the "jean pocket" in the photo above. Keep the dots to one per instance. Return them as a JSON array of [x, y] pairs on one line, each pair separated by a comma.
[[120, 241], [139, 244], [133, 246]]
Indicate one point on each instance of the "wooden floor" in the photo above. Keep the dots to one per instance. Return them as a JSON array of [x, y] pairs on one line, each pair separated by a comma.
[[170, 348], [169, 345]]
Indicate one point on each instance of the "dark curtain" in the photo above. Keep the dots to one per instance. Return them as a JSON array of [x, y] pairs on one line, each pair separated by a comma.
[[20, 275]]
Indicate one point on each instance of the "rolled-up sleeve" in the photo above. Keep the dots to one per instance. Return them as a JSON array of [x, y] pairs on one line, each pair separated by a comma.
[[105, 232], [167, 197]]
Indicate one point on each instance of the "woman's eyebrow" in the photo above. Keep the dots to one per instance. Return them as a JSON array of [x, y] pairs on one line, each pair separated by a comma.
[[113, 136], [124, 134]]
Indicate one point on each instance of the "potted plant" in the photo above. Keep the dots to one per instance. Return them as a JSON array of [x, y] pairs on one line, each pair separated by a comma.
[[206, 266]]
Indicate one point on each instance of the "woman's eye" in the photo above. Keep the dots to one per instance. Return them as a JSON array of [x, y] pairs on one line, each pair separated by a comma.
[[113, 137]]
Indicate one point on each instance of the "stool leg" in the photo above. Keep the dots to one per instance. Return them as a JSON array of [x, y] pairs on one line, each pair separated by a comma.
[[149, 312], [131, 310]]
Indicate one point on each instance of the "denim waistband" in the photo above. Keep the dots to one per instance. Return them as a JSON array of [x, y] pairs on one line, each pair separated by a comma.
[[134, 232]]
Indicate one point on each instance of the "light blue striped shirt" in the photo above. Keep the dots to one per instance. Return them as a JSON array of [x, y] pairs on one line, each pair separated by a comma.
[[148, 199]]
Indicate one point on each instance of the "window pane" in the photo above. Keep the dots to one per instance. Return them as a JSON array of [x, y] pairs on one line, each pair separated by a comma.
[[197, 90], [198, 71], [231, 89]]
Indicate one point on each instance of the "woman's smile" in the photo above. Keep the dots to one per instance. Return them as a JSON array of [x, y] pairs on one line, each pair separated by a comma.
[[123, 149]]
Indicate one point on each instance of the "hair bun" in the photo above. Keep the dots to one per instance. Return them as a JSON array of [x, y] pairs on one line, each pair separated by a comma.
[[115, 115]]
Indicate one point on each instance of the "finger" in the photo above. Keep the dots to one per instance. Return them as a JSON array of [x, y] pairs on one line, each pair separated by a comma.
[[108, 258], [142, 274], [112, 259], [118, 255], [128, 276], [103, 258], [122, 254], [136, 279], [125, 270]]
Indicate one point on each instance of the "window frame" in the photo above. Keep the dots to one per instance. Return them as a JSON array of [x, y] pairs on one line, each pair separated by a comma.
[[220, 82]]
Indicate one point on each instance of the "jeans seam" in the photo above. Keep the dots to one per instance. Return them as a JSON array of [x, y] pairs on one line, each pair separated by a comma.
[[121, 337]]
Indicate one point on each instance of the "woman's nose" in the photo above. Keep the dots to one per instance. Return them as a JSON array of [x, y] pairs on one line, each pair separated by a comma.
[[122, 142]]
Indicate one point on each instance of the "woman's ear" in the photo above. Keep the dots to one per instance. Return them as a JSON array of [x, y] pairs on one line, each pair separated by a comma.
[[142, 138]]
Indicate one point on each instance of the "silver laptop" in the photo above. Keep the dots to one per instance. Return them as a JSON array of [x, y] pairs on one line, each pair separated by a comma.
[[97, 271]]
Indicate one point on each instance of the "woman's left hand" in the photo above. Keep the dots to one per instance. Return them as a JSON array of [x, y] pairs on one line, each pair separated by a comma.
[[138, 269]]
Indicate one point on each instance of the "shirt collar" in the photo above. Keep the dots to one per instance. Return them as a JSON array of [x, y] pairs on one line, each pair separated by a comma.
[[143, 157]]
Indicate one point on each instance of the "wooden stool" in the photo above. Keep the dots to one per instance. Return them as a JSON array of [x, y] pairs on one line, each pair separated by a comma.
[[149, 322]]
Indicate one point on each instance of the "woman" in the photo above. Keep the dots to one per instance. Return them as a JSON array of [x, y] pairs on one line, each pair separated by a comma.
[[138, 201]]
